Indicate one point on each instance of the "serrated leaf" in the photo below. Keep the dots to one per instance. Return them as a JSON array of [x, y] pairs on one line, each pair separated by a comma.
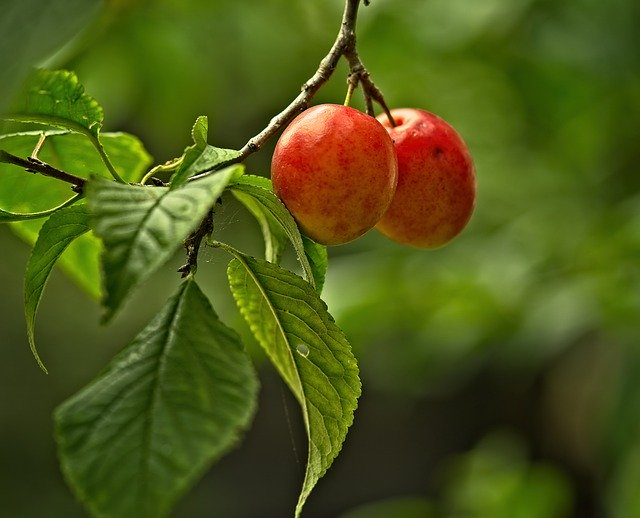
[[197, 158], [56, 234], [141, 227], [309, 350], [22, 192], [171, 403], [200, 156], [56, 98], [209, 158], [274, 218], [200, 132]]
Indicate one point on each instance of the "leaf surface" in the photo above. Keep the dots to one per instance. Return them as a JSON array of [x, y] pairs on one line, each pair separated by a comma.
[[308, 349], [55, 236], [141, 227], [256, 193], [56, 98], [12, 217], [274, 235], [172, 402], [200, 156], [25, 193], [197, 158], [318, 261]]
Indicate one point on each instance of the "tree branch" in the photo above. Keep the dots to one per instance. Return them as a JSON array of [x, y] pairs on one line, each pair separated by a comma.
[[35, 165], [344, 45]]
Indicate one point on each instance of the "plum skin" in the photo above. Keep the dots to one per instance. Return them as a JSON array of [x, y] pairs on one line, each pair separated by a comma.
[[436, 190], [335, 169]]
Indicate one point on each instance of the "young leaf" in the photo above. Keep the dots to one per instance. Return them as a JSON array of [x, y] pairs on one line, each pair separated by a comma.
[[309, 350], [141, 227], [171, 403], [200, 132], [274, 218], [56, 234], [201, 156]]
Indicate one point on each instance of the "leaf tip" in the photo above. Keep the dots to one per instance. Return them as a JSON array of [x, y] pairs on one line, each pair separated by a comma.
[[34, 351]]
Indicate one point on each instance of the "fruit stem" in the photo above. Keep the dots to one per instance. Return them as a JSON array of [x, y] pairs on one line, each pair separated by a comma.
[[387, 112], [352, 83], [344, 45]]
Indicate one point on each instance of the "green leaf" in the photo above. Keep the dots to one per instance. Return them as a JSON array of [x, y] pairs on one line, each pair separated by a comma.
[[309, 350], [22, 192], [274, 219], [56, 234], [318, 260], [141, 227], [275, 237], [127, 154], [26, 192], [200, 132], [200, 156], [11, 217], [56, 98], [172, 402]]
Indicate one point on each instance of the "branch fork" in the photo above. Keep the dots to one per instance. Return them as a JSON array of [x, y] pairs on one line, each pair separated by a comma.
[[344, 46]]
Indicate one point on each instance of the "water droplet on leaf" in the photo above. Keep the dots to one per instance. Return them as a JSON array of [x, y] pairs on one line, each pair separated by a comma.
[[303, 350]]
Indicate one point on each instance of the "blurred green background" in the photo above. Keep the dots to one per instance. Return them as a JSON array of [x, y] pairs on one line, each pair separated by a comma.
[[501, 373]]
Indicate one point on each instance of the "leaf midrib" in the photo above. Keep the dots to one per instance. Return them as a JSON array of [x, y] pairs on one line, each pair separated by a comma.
[[136, 236], [167, 343], [273, 311]]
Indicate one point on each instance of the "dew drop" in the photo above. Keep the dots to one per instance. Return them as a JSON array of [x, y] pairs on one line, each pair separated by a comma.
[[303, 350]]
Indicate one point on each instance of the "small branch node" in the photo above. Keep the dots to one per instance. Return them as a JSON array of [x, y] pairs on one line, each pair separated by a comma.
[[35, 165], [192, 245]]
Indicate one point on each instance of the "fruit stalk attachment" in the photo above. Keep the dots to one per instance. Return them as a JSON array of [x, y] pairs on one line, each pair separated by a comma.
[[344, 45]]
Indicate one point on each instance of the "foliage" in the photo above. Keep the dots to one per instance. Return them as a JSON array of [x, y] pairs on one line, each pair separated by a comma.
[[176, 398], [528, 321], [171, 402]]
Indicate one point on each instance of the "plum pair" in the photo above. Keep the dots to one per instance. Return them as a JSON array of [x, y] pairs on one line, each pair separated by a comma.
[[341, 172]]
